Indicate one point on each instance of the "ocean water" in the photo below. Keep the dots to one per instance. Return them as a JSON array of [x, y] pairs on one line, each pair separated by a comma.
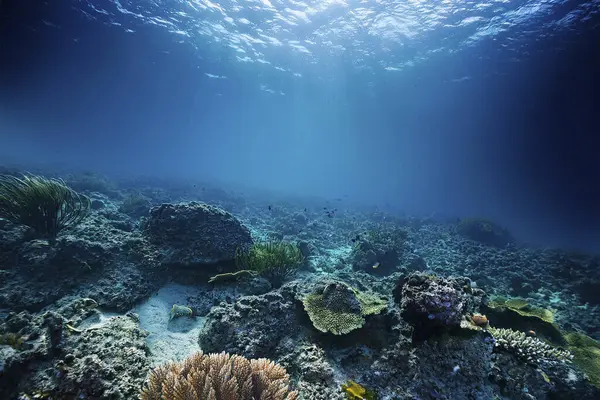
[[384, 199]]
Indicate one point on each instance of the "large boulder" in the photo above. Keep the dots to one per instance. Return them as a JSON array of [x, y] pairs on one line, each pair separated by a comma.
[[428, 302], [73, 353], [103, 258], [253, 326], [195, 233]]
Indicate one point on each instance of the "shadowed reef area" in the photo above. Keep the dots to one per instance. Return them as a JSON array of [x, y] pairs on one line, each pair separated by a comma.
[[103, 282]]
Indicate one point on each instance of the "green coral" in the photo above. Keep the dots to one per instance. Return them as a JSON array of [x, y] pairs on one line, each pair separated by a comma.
[[586, 355], [528, 348], [522, 307], [517, 314], [370, 302], [44, 204], [340, 309]]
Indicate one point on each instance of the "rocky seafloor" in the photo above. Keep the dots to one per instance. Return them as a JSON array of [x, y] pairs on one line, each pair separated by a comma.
[[446, 309]]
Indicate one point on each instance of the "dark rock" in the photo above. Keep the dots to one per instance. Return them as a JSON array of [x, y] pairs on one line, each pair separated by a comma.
[[195, 233], [484, 231], [114, 266], [429, 302], [253, 326], [589, 291]]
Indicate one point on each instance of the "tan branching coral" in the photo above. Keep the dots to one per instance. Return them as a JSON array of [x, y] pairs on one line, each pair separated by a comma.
[[219, 377]]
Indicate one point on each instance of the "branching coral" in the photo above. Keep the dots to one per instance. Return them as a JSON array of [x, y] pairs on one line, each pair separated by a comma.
[[44, 204], [526, 347], [219, 377], [340, 309]]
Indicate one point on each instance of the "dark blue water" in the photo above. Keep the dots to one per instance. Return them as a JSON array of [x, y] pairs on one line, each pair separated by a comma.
[[452, 107]]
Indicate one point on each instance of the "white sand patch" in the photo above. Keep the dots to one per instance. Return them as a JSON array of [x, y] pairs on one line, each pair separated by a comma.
[[169, 340]]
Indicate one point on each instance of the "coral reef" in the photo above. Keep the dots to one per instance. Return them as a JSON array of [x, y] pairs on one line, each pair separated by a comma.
[[69, 359], [529, 348], [219, 377], [453, 367], [585, 354], [253, 326], [311, 391], [101, 258], [378, 251], [521, 307], [517, 314], [337, 308], [428, 301], [87, 315]]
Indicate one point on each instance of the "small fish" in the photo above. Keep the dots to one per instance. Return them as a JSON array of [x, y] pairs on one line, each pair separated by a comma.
[[377, 264], [270, 208], [455, 369], [305, 210]]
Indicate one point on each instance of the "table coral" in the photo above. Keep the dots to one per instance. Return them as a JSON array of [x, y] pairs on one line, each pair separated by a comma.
[[339, 308]]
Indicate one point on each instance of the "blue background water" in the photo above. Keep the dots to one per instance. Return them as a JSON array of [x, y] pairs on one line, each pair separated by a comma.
[[453, 107]]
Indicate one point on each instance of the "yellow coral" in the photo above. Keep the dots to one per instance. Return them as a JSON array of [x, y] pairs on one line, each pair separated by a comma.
[[354, 391], [340, 309]]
